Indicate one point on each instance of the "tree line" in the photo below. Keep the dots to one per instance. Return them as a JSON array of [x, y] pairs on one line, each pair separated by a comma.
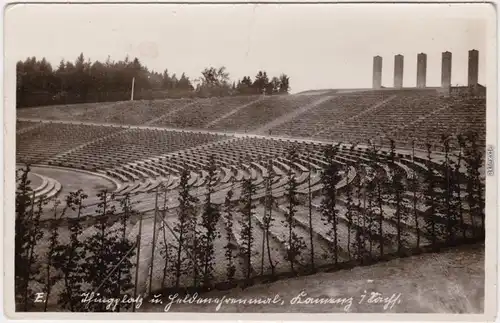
[[82, 81], [444, 207]]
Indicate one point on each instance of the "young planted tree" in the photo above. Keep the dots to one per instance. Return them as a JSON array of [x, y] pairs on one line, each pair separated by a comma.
[[379, 186], [183, 227], [69, 257], [50, 277], [415, 188], [102, 254], [24, 205], [447, 189], [295, 243], [359, 243], [35, 235], [349, 209], [268, 216], [210, 219], [329, 212], [247, 212], [473, 157], [370, 211], [125, 251], [228, 226], [195, 250], [153, 244], [165, 251], [309, 208], [431, 217], [458, 196], [397, 192]]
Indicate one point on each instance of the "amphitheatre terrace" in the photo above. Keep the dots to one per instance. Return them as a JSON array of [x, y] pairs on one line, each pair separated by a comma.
[[140, 148]]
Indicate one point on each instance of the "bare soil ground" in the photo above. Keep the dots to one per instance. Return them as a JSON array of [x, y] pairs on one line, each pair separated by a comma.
[[447, 282]]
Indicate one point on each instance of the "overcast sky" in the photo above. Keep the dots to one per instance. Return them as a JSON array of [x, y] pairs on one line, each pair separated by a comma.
[[318, 46]]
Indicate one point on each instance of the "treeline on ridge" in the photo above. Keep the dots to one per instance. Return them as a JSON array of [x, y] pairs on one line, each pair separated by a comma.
[[84, 81]]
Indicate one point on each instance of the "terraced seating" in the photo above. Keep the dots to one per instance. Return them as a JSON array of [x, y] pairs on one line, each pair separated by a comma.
[[132, 145], [455, 117], [39, 144], [70, 112], [324, 116], [382, 120], [143, 161], [142, 112], [123, 112], [203, 111], [262, 112], [22, 126], [404, 116]]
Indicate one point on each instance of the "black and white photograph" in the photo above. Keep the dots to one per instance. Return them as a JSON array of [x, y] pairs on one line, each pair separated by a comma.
[[250, 158]]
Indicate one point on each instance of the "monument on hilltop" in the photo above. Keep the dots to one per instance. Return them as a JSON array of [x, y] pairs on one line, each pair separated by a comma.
[[446, 70], [473, 67], [377, 72], [398, 71], [421, 70]]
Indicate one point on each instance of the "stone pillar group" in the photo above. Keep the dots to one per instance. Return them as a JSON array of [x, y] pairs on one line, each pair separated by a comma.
[[422, 70]]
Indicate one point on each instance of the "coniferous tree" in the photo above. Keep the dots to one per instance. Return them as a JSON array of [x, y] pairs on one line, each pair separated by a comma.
[[247, 211], [431, 225], [295, 243], [458, 186], [183, 227], [34, 235], [359, 243], [398, 190], [228, 225], [329, 211], [52, 278], [381, 185], [165, 252], [309, 207], [195, 251], [370, 211], [125, 251], [24, 198], [268, 218], [153, 242], [473, 157], [102, 254], [446, 189], [70, 257], [210, 219], [377, 200], [349, 210], [415, 187]]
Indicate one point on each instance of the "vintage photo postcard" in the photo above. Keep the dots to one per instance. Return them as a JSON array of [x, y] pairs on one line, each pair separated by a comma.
[[281, 161]]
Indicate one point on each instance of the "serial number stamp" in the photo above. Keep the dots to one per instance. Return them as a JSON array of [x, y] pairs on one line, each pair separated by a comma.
[[490, 160]]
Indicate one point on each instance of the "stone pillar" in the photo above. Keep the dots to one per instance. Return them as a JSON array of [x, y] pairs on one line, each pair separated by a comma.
[[398, 71], [421, 70], [446, 70], [473, 67], [377, 72]]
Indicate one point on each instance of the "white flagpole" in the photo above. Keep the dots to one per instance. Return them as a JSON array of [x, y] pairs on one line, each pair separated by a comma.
[[132, 94]]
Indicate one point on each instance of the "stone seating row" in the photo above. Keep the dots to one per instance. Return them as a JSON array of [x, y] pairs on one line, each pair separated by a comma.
[[321, 117], [203, 111], [262, 112], [50, 139]]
